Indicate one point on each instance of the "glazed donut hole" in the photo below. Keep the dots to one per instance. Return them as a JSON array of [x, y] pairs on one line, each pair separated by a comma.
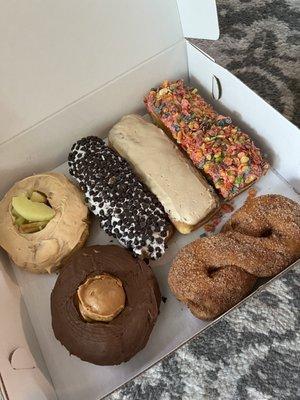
[[31, 211]]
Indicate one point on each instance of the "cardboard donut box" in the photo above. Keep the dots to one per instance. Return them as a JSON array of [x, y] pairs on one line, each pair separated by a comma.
[[70, 69]]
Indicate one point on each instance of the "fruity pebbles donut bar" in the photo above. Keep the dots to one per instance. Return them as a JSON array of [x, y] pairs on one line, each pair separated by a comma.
[[127, 209], [226, 155]]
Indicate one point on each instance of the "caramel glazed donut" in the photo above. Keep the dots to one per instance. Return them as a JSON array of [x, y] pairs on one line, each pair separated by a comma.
[[211, 275]]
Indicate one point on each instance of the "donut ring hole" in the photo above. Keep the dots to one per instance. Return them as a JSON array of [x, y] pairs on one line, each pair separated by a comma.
[[264, 231], [212, 270], [267, 232]]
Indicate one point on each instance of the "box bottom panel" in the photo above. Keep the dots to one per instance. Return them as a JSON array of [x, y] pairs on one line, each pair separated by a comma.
[[76, 380]]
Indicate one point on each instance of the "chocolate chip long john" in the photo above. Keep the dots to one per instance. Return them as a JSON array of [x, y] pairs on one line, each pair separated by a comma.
[[126, 208], [226, 155]]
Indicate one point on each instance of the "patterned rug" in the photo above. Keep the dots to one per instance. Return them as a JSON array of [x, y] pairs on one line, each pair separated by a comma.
[[260, 44], [253, 353]]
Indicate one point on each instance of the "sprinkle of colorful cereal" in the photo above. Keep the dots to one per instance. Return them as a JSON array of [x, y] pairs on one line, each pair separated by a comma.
[[252, 193], [226, 155], [225, 208]]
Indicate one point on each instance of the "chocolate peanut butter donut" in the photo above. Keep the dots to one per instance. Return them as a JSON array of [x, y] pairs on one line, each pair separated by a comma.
[[126, 208], [104, 305], [211, 275]]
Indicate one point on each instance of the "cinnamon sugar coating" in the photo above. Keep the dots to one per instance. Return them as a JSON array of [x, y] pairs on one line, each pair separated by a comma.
[[211, 275]]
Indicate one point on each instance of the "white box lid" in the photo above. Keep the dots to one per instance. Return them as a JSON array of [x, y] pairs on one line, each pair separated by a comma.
[[199, 19], [56, 52]]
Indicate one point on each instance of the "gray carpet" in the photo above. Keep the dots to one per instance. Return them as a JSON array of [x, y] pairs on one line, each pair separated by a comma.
[[260, 44], [253, 352]]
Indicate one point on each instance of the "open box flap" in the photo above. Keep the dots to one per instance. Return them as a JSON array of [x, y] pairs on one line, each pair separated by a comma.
[[274, 134], [23, 374], [199, 19], [53, 54], [46, 145]]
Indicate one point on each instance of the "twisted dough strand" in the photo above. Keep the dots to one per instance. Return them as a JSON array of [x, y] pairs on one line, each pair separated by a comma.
[[262, 238]]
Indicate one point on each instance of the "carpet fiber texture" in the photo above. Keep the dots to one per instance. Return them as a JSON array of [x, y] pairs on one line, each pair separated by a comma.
[[252, 353], [260, 44]]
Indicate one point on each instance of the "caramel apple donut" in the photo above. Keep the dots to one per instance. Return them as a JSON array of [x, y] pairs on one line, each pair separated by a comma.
[[43, 219], [211, 275], [104, 305]]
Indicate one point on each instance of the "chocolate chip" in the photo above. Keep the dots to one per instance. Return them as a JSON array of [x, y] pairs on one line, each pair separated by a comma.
[[109, 182], [112, 181]]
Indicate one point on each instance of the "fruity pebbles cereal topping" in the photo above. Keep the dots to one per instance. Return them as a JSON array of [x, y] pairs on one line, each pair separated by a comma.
[[226, 155]]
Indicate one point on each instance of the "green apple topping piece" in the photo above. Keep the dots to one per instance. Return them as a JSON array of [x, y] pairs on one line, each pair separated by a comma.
[[38, 197], [31, 227], [14, 213], [20, 220], [32, 211]]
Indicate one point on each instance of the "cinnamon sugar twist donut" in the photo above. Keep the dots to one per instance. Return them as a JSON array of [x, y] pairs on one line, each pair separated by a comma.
[[210, 275]]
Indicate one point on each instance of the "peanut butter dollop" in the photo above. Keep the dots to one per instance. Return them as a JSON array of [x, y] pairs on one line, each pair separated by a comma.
[[101, 298]]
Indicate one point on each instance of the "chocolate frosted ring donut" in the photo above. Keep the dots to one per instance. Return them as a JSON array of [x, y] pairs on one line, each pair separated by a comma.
[[130, 321], [213, 274]]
